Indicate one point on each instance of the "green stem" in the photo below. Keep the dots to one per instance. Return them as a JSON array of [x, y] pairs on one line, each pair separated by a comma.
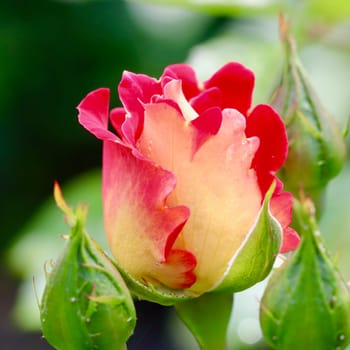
[[207, 317]]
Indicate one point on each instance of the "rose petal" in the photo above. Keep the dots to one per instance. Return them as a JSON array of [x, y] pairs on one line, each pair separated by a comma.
[[206, 99], [134, 90], [236, 83], [178, 271], [216, 182], [219, 186], [140, 228], [117, 118], [206, 125], [173, 91], [265, 123], [281, 206], [290, 240], [186, 74], [93, 114]]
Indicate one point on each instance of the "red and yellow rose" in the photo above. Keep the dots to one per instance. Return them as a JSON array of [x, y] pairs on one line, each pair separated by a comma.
[[189, 178]]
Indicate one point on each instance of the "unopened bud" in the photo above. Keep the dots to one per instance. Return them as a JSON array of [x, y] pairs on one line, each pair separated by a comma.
[[306, 304], [86, 304], [316, 145]]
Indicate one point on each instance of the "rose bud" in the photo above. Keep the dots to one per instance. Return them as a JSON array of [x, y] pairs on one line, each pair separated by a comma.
[[191, 200], [306, 304], [316, 145], [86, 304]]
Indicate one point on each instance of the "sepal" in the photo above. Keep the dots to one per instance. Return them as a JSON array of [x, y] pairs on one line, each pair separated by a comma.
[[257, 254], [154, 292]]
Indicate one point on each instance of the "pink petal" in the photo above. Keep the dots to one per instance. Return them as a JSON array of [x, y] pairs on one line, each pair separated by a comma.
[[186, 74], [290, 240], [117, 118], [178, 271], [281, 206], [141, 228], [134, 90], [93, 114], [236, 83]]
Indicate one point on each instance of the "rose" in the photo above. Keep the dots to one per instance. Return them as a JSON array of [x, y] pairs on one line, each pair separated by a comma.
[[186, 177]]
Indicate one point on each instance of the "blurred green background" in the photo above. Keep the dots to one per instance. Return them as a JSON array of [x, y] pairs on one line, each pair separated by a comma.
[[52, 53]]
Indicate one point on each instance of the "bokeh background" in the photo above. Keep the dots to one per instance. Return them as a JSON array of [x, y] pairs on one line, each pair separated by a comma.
[[52, 53]]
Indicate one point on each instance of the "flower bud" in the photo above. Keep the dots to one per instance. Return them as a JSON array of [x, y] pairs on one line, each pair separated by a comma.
[[306, 304], [86, 304], [316, 145]]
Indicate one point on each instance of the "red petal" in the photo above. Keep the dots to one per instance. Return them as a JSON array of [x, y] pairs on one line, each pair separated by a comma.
[[265, 123], [141, 228], [186, 74], [93, 114], [207, 124], [208, 98], [236, 83]]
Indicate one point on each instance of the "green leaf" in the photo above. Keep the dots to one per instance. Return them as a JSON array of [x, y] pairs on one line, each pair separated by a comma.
[[223, 7], [254, 261], [317, 9], [340, 9], [207, 317]]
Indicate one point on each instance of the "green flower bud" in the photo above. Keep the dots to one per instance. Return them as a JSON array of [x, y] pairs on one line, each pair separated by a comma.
[[316, 145], [86, 304], [306, 304]]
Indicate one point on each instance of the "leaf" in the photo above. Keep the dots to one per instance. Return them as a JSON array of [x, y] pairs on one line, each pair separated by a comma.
[[222, 7]]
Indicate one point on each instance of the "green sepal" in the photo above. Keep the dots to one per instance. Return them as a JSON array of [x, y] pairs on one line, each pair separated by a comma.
[[207, 317], [86, 304], [154, 292], [255, 258], [306, 304]]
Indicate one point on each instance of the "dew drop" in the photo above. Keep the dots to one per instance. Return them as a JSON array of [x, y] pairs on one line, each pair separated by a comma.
[[73, 299]]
